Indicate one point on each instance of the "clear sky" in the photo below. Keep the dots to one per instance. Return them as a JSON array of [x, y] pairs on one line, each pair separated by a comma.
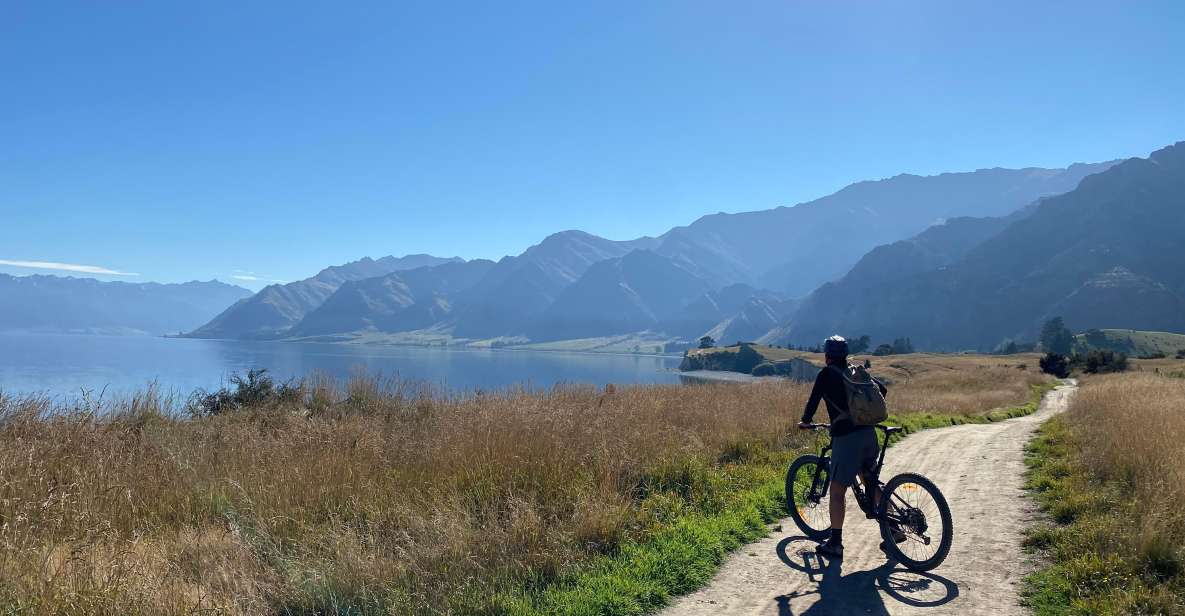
[[181, 140]]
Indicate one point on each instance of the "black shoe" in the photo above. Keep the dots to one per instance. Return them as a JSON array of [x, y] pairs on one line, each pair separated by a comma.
[[830, 550]]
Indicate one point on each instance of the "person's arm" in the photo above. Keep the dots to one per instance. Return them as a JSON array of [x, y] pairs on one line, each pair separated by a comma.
[[812, 403]]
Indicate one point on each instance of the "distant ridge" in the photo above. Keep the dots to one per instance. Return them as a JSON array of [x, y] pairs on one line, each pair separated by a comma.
[[270, 312], [573, 284], [1105, 255], [63, 304]]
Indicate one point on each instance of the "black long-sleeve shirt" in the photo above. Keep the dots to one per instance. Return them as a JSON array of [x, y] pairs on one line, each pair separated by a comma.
[[829, 387]]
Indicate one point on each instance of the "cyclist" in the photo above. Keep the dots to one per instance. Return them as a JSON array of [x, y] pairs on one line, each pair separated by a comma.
[[854, 448]]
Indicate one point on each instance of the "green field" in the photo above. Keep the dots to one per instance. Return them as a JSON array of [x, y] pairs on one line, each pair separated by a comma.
[[1134, 343]]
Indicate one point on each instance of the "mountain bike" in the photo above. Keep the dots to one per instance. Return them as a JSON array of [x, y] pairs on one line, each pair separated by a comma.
[[915, 520]]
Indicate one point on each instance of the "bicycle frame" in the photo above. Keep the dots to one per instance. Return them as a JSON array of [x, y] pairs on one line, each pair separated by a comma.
[[819, 487]]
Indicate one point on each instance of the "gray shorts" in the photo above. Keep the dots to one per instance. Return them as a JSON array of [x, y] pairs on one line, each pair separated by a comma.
[[852, 453]]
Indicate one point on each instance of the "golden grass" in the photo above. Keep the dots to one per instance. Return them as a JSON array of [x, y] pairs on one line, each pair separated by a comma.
[[1109, 472], [378, 496], [1132, 429]]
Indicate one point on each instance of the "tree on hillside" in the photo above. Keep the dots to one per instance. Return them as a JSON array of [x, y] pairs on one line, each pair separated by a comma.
[[859, 345], [706, 342], [883, 349], [902, 346], [1056, 337]]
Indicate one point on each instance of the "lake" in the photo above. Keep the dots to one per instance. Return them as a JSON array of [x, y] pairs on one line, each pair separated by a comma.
[[65, 365]]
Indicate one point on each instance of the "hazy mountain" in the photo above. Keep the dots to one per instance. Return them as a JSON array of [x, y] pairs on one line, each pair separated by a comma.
[[760, 314], [827, 309], [783, 249], [1105, 255], [517, 288], [639, 291], [85, 305], [400, 301], [275, 308], [543, 293]]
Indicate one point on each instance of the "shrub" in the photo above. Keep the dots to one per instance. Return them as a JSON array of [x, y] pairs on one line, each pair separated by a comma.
[[253, 389], [765, 369], [1181, 354], [882, 350], [1055, 364], [1152, 355], [1101, 361]]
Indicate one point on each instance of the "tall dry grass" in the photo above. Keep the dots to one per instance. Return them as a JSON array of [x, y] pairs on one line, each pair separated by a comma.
[[1108, 472], [1131, 430], [375, 496]]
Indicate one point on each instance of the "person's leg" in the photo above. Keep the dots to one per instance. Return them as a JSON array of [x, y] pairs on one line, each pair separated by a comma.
[[836, 506], [834, 545]]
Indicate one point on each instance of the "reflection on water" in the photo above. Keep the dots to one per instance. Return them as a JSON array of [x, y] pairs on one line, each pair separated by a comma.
[[66, 365]]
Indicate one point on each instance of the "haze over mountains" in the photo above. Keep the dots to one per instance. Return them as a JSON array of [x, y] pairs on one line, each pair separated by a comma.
[[1108, 254], [276, 308], [953, 261], [731, 275], [83, 305]]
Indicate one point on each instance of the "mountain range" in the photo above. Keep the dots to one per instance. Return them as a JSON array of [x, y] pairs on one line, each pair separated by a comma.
[[276, 308], [1105, 255], [953, 261], [733, 275], [83, 305]]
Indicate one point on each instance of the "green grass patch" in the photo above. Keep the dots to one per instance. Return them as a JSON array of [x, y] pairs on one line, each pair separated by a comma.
[[1095, 563], [686, 547]]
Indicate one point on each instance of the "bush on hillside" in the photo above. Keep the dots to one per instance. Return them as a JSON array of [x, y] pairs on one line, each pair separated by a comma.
[[765, 368], [882, 350], [1181, 354], [1055, 364], [902, 346], [1101, 361]]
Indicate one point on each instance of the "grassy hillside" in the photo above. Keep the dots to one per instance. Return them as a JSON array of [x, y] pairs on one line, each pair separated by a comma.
[[1109, 476], [728, 357], [896, 368], [380, 497], [1133, 342]]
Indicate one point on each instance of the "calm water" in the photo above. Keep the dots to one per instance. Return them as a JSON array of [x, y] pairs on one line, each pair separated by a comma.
[[65, 365]]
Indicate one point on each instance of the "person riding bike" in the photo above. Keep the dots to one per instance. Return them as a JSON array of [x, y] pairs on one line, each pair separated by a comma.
[[854, 448]]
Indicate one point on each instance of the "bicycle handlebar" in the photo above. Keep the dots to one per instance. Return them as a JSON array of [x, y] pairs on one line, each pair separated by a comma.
[[823, 426]]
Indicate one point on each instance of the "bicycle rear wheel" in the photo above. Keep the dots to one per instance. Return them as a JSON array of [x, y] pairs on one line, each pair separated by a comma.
[[913, 504], [807, 483]]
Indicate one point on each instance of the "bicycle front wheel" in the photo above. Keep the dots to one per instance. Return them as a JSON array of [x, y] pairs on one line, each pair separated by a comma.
[[913, 509], [807, 484]]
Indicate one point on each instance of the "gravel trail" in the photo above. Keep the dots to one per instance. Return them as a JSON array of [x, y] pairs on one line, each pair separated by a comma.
[[978, 468]]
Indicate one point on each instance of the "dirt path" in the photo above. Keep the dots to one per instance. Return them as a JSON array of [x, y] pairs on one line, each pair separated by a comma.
[[978, 468]]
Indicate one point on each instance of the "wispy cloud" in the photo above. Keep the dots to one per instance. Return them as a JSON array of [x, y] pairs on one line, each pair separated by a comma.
[[66, 267], [253, 277]]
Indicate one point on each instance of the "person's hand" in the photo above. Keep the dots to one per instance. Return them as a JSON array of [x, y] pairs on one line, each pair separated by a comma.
[[802, 425]]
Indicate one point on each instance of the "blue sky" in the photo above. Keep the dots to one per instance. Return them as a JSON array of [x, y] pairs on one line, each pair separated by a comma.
[[199, 140]]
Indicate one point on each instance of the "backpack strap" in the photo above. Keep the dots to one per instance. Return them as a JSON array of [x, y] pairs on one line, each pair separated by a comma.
[[843, 375]]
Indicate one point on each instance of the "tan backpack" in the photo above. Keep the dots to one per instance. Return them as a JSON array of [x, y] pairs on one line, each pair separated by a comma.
[[866, 403]]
